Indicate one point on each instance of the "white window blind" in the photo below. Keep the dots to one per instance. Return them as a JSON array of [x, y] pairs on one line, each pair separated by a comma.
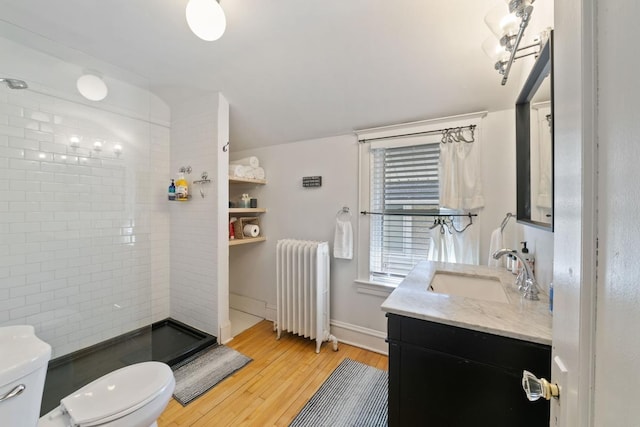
[[403, 179]]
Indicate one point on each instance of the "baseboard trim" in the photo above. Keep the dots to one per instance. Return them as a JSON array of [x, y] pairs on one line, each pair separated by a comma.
[[247, 305], [358, 336], [225, 333], [271, 312]]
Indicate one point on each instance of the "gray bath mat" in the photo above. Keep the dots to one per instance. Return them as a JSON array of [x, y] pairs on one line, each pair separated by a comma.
[[200, 373], [354, 395]]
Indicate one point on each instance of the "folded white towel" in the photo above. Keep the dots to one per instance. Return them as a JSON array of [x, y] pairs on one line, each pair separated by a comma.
[[237, 170], [247, 161], [494, 245], [248, 172], [258, 173], [343, 240]]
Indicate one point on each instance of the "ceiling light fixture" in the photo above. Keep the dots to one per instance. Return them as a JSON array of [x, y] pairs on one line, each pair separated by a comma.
[[92, 87], [509, 28], [206, 19]]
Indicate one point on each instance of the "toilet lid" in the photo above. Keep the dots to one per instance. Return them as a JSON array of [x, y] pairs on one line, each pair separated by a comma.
[[117, 394]]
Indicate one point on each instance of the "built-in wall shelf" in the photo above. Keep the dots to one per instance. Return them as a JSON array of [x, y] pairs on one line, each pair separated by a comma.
[[246, 240], [247, 210], [245, 215], [236, 180]]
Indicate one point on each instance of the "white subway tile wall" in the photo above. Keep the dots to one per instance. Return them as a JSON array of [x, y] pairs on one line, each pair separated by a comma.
[[84, 253], [194, 234]]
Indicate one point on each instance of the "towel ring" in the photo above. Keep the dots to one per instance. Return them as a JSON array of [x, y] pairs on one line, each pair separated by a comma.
[[344, 210]]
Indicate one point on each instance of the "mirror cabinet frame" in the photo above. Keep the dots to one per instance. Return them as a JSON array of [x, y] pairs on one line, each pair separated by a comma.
[[542, 68]]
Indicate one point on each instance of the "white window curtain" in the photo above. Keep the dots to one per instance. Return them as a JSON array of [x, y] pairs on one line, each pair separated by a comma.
[[460, 184]]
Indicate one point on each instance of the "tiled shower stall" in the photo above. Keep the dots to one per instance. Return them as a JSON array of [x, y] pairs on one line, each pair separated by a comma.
[[84, 225]]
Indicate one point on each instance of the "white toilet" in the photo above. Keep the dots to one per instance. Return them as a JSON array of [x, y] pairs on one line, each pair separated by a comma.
[[133, 396]]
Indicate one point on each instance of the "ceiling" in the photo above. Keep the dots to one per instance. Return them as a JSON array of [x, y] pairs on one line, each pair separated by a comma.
[[291, 69]]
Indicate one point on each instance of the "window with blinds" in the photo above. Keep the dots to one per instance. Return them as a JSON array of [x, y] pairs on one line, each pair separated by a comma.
[[403, 179]]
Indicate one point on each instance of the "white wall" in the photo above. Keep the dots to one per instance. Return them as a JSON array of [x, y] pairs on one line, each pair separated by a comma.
[[296, 212], [197, 264], [84, 235]]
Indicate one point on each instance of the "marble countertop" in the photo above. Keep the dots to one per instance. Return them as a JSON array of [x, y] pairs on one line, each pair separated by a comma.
[[521, 319]]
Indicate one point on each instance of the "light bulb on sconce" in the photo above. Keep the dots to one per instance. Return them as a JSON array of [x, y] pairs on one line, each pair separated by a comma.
[[496, 53], [97, 145], [504, 25], [206, 19], [117, 149], [74, 141]]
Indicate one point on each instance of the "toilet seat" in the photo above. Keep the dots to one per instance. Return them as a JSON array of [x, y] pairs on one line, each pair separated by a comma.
[[117, 394]]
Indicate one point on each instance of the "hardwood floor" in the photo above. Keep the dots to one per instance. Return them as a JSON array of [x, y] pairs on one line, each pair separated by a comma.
[[273, 388]]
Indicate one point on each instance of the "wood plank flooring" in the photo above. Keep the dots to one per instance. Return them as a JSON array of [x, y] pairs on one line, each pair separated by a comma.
[[273, 388]]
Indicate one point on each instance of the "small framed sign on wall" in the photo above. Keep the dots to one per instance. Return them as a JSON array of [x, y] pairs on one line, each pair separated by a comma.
[[312, 181]]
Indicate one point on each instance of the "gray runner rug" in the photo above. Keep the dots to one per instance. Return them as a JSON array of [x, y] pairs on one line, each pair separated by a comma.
[[354, 395], [201, 372]]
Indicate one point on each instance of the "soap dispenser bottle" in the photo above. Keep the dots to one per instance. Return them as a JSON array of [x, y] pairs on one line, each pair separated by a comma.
[[527, 256], [172, 191]]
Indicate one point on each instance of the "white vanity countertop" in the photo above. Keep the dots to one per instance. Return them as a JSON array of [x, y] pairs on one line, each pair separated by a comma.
[[521, 319]]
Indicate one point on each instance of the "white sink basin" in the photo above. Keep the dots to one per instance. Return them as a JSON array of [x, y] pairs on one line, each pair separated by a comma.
[[469, 286]]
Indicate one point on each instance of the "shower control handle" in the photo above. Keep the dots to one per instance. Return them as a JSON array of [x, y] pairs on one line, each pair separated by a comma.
[[13, 393]]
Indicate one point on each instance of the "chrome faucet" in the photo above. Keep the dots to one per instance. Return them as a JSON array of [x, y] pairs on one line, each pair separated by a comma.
[[530, 287]]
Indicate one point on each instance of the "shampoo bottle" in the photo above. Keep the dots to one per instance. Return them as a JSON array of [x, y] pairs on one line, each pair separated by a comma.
[[182, 188], [172, 191]]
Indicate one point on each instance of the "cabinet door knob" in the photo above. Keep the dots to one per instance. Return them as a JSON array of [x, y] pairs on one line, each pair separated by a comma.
[[536, 388]]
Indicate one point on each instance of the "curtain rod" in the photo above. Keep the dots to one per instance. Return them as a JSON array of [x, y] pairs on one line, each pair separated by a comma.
[[417, 212], [448, 134]]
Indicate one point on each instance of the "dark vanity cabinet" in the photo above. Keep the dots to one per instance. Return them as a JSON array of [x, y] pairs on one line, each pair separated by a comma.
[[442, 375]]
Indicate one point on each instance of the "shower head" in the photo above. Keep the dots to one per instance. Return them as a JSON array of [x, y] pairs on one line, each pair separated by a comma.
[[14, 83]]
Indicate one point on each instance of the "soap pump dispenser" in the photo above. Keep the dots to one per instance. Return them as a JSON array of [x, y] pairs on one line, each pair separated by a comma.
[[527, 256]]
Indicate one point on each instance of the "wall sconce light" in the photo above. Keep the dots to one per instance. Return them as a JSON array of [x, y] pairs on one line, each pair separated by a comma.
[[206, 19], [117, 149], [97, 145], [509, 29], [92, 87], [74, 141]]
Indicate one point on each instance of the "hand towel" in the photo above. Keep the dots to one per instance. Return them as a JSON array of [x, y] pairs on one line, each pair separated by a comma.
[[494, 245], [247, 161], [343, 240]]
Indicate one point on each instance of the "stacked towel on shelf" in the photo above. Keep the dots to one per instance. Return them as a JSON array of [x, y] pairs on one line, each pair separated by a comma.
[[247, 161], [248, 167]]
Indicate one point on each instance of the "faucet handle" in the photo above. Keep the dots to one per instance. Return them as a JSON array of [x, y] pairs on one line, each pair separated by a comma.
[[531, 290], [520, 281]]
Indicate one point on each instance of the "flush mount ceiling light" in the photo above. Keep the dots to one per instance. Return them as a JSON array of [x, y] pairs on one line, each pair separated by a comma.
[[206, 19], [509, 29], [92, 87]]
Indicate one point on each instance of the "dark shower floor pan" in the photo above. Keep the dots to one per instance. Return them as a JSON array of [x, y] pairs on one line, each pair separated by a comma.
[[167, 341]]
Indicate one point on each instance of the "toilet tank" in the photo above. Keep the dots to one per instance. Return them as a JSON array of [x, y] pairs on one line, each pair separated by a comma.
[[23, 366]]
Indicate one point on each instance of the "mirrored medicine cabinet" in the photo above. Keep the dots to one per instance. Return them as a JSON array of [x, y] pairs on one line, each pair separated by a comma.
[[534, 143]]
